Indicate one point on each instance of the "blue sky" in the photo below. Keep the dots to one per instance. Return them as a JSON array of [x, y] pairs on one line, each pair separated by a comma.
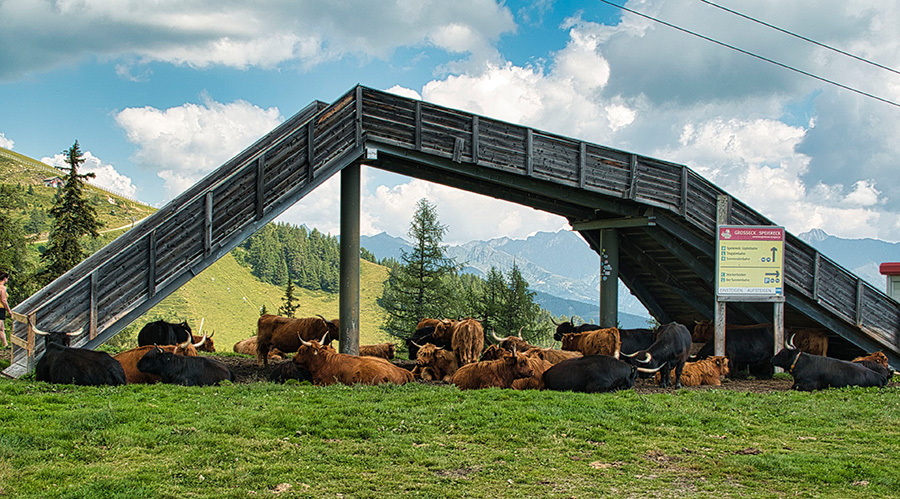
[[161, 93]]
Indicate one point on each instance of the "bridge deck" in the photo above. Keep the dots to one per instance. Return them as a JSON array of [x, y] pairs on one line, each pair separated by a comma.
[[666, 250]]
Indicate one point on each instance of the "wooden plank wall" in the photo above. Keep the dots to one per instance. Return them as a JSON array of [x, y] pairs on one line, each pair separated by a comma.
[[490, 143], [185, 236]]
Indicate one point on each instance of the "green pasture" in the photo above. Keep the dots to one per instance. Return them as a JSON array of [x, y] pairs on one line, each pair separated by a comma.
[[298, 440]]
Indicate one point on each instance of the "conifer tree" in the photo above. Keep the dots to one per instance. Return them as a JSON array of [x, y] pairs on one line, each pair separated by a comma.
[[288, 308], [417, 287], [73, 218], [13, 252]]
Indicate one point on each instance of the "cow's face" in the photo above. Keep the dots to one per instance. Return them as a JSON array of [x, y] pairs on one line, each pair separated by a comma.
[[515, 343], [520, 365], [570, 341], [562, 329], [426, 355]]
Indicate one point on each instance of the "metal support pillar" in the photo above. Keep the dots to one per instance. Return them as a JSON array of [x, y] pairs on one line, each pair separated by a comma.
[[349, 289], [609, 278]]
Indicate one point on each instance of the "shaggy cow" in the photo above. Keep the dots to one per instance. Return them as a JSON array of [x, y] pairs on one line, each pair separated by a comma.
[[467, 341], [76, 366], [810, 340], [590, 374], [248, 347], [130, 358], [670, 350], [878, 362], [552, 355], [181, 370], [599, 342], [286, 333], [877, 357], [328, 367], [814, 372], [436, 363], [498, 373], [383, 350], [512, 342], [204, 343], [703, 372]]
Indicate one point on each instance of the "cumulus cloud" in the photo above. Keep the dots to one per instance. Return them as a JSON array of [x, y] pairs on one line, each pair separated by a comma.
[[38, 36], [6, 143], [647, 88], [182, 144], [106, 175]]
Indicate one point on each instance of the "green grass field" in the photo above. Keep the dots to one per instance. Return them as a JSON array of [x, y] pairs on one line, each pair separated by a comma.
[[269, 440]]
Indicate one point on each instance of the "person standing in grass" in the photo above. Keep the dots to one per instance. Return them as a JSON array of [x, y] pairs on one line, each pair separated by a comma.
[[4, 307]]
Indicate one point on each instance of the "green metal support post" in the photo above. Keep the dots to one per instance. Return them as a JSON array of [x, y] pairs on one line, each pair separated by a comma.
[[349, 289]]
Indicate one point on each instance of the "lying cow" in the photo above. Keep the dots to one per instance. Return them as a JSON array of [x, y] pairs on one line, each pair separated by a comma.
[[75, 366], [248, 347], [877, 357], [286, 333], [590, 374], [328, 367], [383, 350], [814, 372], [599, 342], [288, 370], [130, 358], [670, 350], [876, 361], [512, 342], [204, 343], [422, 336], [498, 373], [702, 372], [180, 370], [552, 355], [538, 366], [435, 363]]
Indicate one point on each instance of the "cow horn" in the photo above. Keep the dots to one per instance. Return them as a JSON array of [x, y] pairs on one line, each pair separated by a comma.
[[646, 359], [36, 330], [553, 321], [305, 343], [185, 344], [158, 348], [790, 343], [211, 334], [572, 320], [630, 355], [202, 341], [495, 335], [416, 344], [648, 370], [201, 327], [520, 333]]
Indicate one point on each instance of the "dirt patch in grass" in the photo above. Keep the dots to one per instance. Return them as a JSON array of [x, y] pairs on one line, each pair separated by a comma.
[[246, 371]]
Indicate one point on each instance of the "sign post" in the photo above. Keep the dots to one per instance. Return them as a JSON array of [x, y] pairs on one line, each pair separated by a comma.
[[750, 268]]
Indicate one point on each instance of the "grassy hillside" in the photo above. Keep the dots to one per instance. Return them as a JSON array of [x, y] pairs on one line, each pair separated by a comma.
[[228, 299], [112, 210]]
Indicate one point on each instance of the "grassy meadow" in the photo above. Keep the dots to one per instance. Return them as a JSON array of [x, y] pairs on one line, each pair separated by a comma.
[[417, 440]]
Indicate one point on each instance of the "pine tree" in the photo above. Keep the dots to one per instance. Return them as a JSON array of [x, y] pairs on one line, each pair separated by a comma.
[[73, 218], [288, 307], [417, 287]]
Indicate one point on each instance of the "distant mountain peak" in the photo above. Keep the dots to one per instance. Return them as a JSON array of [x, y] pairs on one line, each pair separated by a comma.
[[814, 236]]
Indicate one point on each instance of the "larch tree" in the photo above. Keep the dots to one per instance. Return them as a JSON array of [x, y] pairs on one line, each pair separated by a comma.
[[73, 219]]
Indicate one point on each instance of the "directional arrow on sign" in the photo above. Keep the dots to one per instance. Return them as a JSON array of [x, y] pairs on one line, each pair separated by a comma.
[[776, 273], [774, 250]]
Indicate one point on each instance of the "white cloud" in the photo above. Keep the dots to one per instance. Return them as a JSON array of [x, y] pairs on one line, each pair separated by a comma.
[[6, 143], [106, 175], [182, 144], [41, 35]]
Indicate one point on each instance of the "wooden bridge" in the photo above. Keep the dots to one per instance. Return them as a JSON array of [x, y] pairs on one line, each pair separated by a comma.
[[657, 217]]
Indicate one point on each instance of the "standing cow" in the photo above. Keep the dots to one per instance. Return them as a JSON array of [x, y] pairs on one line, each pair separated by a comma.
[[164, 333], [286, 333], [467, 341], [76, 366], [670, 350]]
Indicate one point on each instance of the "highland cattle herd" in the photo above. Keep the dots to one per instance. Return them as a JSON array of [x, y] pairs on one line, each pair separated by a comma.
[[591, 359]]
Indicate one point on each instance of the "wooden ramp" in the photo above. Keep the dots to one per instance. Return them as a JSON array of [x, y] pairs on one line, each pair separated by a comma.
[[664, 214]]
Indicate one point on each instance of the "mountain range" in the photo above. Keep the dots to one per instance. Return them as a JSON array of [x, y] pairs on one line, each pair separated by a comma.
[[570, 286]]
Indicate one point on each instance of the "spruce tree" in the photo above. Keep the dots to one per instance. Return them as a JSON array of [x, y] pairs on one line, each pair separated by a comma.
[[73, 218], [417, 287], [288, 308]]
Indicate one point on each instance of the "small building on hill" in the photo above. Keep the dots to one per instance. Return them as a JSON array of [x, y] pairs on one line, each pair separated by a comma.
[[54, 182]]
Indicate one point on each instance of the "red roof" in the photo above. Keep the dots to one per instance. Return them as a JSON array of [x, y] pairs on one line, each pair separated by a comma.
[[890, 268]]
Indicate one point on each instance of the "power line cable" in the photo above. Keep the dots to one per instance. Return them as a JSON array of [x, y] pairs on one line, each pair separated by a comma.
[[839, 51], [751, 54]]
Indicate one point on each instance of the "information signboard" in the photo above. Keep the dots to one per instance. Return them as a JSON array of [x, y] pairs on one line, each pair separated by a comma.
[[750, 263]]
